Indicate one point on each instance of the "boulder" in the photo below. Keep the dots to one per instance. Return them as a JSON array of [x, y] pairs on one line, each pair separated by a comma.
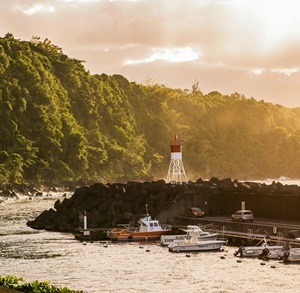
[[110, 204], [244, 187], [266, 189], [57, 204], [127, 216]]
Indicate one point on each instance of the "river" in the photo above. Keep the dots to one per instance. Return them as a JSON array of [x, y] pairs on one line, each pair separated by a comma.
[[129, 267]]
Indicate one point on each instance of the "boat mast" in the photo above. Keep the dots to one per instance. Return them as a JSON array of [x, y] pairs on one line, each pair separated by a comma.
[[147, 213]]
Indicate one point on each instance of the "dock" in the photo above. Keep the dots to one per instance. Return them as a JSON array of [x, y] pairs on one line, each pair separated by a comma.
[[241, 233], [237, 233]]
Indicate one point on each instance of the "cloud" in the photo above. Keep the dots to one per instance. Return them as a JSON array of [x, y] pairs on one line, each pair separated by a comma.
[[286, 71], [257, 71], [91, 1], [168, 54], [228, 45], [36, 8], [127, 0], [78, 1]]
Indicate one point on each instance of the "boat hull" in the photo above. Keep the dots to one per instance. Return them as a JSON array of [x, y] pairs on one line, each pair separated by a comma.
[[124, 235], [167, 239], [199, 246], [292, 255], [256, 251]]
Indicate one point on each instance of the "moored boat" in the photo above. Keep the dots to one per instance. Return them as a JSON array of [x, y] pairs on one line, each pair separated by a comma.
[[257, 250], [192, 243], [201, 235], [148, 230], [291, 255], [287, 253]]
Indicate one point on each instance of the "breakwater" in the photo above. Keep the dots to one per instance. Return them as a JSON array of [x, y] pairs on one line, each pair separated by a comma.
[[108, 205], [58, 257]]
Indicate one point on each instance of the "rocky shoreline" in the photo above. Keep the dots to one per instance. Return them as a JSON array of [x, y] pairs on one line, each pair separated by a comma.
[[108, 205], [31, 190]]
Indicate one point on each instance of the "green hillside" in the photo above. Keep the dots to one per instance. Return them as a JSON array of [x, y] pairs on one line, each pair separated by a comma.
[[59, 122]]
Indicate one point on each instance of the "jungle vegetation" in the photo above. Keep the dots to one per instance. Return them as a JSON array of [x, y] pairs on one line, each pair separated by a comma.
[[61, 123]]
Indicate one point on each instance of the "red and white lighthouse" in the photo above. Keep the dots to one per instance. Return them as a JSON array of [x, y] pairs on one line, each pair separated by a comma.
[[176, 173]]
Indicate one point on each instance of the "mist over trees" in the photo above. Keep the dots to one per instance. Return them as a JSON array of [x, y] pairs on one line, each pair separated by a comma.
[[60, 123]]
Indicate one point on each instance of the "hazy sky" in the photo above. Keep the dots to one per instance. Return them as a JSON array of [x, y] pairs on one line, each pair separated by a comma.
[[250, 47]]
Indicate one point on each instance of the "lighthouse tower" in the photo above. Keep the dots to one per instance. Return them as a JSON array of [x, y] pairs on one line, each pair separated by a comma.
[[176, 173]]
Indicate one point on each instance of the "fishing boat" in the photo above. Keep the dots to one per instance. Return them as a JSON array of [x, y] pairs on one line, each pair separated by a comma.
[[257, 250], [201, 235], [148, 230], [192, 243]]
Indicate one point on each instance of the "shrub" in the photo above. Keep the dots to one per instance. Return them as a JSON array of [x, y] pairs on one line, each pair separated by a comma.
[[16, 283]]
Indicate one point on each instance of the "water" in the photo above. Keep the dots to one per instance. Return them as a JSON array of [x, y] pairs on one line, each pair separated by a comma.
[[128, 267], [282, 179]]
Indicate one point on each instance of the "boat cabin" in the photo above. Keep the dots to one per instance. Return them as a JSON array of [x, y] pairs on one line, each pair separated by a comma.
[[149, 225]]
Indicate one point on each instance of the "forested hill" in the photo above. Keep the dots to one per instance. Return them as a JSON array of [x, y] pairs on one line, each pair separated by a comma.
[[59, 122]]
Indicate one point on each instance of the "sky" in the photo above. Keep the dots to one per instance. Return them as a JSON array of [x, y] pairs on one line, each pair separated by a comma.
[[251, 47]]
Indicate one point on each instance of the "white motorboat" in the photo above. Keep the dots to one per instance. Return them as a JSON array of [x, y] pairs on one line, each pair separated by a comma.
[[257, 250], [287, 254], [196, 230], [292, 255], [193, 244]]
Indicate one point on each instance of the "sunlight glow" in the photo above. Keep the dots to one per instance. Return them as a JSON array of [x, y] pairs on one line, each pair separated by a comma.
[[167, 54], [276, 20]]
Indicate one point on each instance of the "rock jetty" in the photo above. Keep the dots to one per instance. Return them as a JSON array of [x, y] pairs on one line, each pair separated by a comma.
[[108, 205]]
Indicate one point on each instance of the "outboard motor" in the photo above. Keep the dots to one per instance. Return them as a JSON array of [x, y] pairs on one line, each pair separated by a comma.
[[264, 254], [285, 256], [239, 251]]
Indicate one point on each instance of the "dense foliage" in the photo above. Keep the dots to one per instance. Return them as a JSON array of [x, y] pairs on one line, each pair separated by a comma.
[[16, 283], [59, 122]]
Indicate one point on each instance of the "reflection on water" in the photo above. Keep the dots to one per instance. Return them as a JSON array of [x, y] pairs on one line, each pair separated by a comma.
[[128, 267], [282, 179]]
